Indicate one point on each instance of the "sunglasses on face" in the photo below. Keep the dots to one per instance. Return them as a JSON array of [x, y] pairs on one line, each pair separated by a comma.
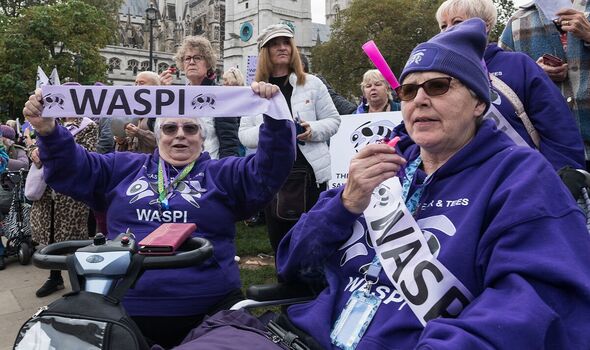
[[196, 58], [172, 129], [433, 87]]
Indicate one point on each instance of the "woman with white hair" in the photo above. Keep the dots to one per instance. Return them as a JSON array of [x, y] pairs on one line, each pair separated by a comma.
[[233, 77], [516, 78], [377, 95], [178, 182]]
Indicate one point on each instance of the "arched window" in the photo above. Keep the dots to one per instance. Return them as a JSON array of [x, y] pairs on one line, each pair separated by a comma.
[[114, 63], [337, 11], [145, 65], [132, 65], [162, 67]]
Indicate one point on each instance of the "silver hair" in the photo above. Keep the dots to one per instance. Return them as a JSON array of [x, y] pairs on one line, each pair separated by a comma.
[[152, 76], [373, 76], [484, 9], [233, 77], [200, 44], [158, 131]]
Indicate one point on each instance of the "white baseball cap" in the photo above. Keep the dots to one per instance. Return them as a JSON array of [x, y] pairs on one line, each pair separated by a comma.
[[274, 31]]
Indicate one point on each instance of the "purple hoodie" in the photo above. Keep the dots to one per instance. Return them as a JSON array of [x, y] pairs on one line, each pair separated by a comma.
[[506, 227], [561, 141], [214, 195]]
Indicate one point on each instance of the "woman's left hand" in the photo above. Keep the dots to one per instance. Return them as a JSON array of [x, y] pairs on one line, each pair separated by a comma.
[[264, 89], [166, 77], [306, 135], [575, 22]]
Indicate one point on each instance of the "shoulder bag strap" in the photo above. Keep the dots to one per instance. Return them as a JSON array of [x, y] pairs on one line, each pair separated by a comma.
[[517, 104]]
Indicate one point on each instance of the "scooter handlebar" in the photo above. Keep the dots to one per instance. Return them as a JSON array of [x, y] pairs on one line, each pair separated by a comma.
[[53, 256], [193, 251]]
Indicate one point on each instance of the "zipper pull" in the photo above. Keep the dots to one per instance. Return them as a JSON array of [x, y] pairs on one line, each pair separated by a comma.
[[41, 309]]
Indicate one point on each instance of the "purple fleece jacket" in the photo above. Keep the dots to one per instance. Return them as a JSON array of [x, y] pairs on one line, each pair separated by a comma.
[[507, 228], [561, 141], [214, 195]]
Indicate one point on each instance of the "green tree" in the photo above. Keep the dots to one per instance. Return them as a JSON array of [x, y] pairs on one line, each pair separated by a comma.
[[51, 36], [505, 10], [396, 26], [13, 8]]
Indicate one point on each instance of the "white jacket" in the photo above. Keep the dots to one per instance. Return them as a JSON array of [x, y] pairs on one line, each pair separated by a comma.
[[312, 103]]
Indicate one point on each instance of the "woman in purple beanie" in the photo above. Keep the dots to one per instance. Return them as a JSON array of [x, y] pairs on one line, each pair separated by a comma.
[[17, 153], [454, 238]]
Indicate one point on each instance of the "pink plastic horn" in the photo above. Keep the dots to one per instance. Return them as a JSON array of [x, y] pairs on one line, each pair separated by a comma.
[[375, 55]]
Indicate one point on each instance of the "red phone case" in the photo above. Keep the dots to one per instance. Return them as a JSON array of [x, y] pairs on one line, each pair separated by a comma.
[[552, 61], [166, 239]]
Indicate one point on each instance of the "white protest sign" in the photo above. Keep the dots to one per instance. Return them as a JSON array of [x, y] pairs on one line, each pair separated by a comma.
[[355, 132], [42, 78], [251, 69], [54, 77]]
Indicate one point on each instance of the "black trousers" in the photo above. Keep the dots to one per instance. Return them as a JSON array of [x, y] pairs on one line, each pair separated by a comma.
[[277, 228], [169, 331]]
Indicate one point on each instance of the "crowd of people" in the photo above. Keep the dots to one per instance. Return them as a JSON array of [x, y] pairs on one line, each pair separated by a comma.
[[459, 234]]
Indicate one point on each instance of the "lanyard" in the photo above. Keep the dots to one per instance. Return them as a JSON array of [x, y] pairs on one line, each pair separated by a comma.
[[372, 274], [362, 305], [164, 185], [412, 202]]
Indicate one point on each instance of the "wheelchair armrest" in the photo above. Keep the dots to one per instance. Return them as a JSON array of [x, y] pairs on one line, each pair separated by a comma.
[[262, 295], [267, 292], [575, 180]]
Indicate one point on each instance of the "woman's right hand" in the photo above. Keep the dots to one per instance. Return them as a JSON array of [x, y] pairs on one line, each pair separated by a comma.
[[131, 130], [32, 111], [557, 74], [371, 166]]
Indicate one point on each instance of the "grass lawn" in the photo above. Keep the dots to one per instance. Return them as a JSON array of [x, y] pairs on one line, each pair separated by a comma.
[[251, 241]]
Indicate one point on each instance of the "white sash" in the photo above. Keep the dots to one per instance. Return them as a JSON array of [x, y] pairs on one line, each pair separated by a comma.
[[159, 101], [503, 125], [428, 287]]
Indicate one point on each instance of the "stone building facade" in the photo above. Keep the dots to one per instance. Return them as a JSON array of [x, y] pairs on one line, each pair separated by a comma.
[[333, 8], [245, 19], [232, 26], [175, 20]]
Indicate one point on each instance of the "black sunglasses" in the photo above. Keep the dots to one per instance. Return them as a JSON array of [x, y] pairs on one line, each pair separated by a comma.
[[172, 129], [433, 87]]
